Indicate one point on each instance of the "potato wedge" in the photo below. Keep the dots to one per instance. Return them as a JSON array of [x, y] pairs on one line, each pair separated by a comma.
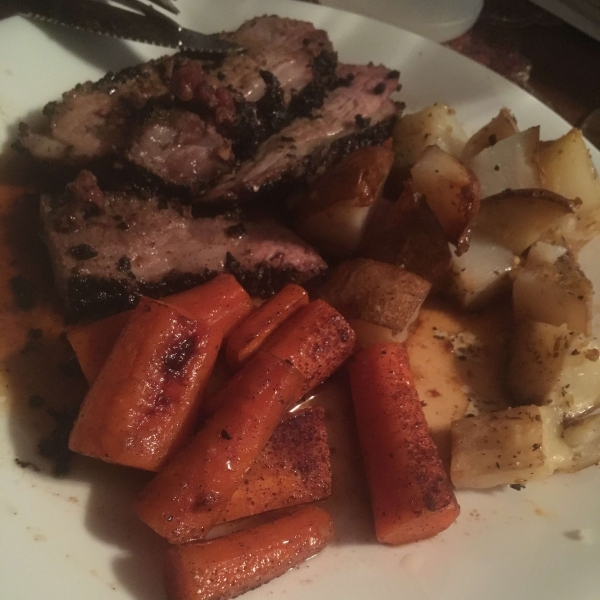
[[503, 125], [568, 170], [436, 124], [553, 292], [376, 292], [510, 164], [508, 447], [334, 213], [553, 366], [451, 191], [516, 219]]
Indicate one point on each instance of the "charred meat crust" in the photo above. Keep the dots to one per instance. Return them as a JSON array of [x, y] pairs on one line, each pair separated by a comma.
[[136, 245], [246, 97], [286, 156], [95, 297], [310, 166]]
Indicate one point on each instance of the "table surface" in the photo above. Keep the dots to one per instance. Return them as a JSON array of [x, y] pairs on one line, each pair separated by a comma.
[[547, 57]]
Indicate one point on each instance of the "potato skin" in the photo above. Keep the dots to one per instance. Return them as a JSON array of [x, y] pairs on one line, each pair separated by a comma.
[[334, 213], [407, 233], [356, 179], [411, 496], [376, 292], [229, 566]]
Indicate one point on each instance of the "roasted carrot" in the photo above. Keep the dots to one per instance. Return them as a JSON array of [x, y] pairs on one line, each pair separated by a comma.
[[231, 565], [316, 340], [245, 339], [411, 496], [293, 468], [221, 303], [93, 342], [143, 404], [188, 496]]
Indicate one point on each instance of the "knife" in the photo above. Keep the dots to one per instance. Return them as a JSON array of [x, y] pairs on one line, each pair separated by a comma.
[[151, 27]]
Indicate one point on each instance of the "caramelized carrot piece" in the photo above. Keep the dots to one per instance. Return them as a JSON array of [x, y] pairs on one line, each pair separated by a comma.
[[187, 497], [93, 342], [411, 495], [221, 303], [144, 403], [250, 334], [293, 468], [231, 565], [316, 340]]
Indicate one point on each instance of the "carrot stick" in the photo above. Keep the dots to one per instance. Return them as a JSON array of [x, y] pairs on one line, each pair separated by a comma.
[[221, 303], [250, 334], [187, 497], [316, 340], [411, 496], [231, 565], [293, 468], [143, 404]]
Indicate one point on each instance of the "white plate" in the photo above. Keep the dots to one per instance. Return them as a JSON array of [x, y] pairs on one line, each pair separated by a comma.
[[76, 538]]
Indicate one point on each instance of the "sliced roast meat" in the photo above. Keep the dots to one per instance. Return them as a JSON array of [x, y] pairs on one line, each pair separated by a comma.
[[105, 259], [284, 47], [181, 148], [358, 110], [95, 120]]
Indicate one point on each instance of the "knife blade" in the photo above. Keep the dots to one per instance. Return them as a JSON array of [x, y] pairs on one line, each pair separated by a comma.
[[97, 17]]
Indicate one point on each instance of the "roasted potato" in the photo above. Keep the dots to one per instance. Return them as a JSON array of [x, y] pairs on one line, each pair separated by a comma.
[[568, 170], [380, 293], [554, 366], [587, 259], [482, 273], [434, 125], [584, 439], [516, 219], [503, 125], [508, 447], [551, 288], [407, 233], [512, 163], [334, 212], [451, 191]]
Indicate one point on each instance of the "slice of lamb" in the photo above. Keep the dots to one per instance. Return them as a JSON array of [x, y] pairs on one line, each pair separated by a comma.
[[181, 148], [350, 111], [104, 260], [94, 119]]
